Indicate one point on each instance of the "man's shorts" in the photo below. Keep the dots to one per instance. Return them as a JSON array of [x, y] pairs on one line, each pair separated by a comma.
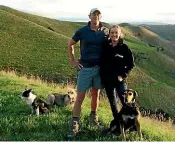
[[89, 78]]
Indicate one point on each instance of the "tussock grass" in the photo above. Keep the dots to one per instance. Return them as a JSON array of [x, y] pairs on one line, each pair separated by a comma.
[[16, 123], [158, 131]]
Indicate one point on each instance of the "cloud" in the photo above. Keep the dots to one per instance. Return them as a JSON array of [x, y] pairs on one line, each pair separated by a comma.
[[112, 10]]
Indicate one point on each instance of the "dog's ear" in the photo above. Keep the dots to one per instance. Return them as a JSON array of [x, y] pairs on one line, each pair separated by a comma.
[[135, 94], [30, 90]]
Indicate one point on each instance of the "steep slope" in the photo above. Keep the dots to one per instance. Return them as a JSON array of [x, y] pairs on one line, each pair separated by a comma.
[[165, 31], [29, 47], [32, 49], [153, 78], [144, 35], [150, 38], [62, 27]]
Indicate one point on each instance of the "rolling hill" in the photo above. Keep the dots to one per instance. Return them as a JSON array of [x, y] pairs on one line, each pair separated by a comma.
[[165, 31], [27, 43], [34, 46], [37, 46], [149, 37]]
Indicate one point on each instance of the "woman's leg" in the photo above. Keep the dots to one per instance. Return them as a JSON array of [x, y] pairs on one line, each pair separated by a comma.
[[112, 98], [121, 87]]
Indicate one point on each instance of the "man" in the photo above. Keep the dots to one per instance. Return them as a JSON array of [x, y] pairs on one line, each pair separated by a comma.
[[91, 38]]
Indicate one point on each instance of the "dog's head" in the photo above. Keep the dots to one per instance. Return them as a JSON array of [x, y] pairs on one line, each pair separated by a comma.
[[28, 96], [72, 94], [130, 96], [25, 94]]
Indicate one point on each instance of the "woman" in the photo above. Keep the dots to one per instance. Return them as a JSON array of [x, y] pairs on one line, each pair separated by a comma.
[[116, 63]]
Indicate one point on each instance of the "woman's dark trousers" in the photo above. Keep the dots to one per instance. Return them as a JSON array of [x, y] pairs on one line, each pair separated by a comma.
[[113, 87]]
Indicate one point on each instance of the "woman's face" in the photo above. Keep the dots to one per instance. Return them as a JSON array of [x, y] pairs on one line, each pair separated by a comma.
[[114, 33]]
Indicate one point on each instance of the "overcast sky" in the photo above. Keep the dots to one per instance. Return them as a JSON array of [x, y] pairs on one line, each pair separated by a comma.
[[112, 10]]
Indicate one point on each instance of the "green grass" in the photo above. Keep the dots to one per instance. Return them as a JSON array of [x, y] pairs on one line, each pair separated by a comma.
[[32, 49], [155, 64], [152, 93], [157, 131], [29, 48], [61, 27], [16, 123]]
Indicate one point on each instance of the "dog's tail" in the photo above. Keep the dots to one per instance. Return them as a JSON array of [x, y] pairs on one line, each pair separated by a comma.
[[50, 100]]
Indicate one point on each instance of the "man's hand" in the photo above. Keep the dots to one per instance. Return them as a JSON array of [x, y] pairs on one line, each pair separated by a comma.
[[76, 64]]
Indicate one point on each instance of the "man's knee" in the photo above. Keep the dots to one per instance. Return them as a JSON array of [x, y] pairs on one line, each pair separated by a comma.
[[80, 96]]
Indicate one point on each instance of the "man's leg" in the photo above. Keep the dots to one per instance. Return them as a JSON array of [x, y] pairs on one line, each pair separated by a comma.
[[96, 86], [94, 99], [94, 107], [78, 103], [74, 123], [83, 84]]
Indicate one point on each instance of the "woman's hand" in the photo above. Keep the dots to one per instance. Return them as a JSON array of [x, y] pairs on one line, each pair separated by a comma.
[[120, 78]]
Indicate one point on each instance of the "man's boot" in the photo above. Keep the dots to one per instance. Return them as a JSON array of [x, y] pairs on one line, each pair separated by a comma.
[[93, 119], [73, 128]]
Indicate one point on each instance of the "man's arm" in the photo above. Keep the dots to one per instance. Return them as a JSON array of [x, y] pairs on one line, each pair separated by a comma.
[[73, 62], [71, 45]]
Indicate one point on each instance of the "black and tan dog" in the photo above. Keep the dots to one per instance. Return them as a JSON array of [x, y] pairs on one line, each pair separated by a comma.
[[62, 99], [38, 106], [128, 117]]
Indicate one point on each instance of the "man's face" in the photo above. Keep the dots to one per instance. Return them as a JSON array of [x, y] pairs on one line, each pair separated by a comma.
[[95, 17]]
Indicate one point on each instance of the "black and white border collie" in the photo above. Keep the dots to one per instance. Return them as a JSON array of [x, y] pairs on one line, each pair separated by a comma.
[[38, 106]]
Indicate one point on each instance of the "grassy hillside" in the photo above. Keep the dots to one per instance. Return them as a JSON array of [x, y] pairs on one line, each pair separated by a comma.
[[29, 47], [145, 35], [165, 31], [153, 78], [149, 37], [37, 46], [16, 123], [153, 63], [32, 49], [61, 27]]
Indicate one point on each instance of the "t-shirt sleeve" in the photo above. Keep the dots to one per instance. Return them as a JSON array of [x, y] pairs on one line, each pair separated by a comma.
[[77, 36]]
